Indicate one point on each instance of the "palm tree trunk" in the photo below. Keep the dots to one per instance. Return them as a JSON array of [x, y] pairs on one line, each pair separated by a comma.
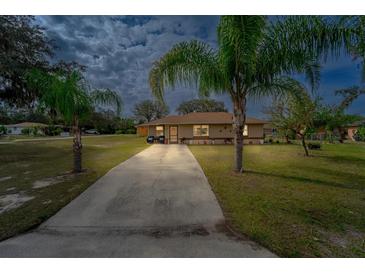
[[77, 146], [304, 145], [239, 117]]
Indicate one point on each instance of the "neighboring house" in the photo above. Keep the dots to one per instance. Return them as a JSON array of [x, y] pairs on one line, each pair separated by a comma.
[[269, 130], [16, 129], [202, 128], [351, 129]]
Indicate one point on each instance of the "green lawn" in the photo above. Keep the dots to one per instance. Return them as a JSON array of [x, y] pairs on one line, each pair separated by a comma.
[[293, 205], [25, 165]]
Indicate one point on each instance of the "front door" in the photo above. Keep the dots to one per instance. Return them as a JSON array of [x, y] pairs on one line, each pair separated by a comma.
[[173, 134]]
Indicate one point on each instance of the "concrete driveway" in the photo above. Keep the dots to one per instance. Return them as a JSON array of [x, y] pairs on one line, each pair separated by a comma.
[[156, 204]]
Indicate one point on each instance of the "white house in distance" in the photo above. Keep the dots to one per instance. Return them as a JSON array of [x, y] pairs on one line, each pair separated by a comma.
[[16, 129]]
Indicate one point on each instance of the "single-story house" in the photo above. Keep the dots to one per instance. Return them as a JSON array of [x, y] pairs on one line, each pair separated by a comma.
[[269, 130], [351, 129], [202, 128], [16, 129]]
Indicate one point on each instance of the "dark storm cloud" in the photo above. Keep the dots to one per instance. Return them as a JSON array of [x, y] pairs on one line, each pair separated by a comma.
[[120, 50]]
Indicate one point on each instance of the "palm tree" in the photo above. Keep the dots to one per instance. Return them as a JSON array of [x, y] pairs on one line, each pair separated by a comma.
[[354, 37], [68, 95], [254, 58]]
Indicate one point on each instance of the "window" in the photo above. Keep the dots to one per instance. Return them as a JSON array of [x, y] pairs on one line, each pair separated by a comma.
[[245, 131], [159, 131], [201, 130]]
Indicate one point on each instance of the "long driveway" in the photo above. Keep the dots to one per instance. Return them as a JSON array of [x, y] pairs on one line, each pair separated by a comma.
[[156, 204]]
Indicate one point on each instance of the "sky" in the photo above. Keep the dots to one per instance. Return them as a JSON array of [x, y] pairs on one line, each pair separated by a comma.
[[119, 52]]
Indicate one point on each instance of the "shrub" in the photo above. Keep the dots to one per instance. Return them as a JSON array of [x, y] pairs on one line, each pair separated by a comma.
[[314, 146], [58, 131], [53, 131], [35, 131], [26, 131], [126, 131], [3, 130], [131, 131], [360, 134]]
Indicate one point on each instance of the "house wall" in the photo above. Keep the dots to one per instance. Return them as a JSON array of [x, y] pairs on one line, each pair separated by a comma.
[[14, 130], [142, 131], [151, 130], [268, 130], [18, 130], [218, 132], [221, 131], [185, 131], [255, 131], [215, 131], [351, 132]]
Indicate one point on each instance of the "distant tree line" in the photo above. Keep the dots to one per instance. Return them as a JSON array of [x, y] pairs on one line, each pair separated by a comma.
[[201, 105], [149, 110], [106, 122]]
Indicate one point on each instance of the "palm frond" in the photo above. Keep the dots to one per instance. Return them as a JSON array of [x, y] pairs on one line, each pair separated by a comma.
[[70, 95], [239, 38], [312, 72], [279, 88], [107, 97], [355, 38], [189, 64], [297, 44], [66, 94], [318, 35]]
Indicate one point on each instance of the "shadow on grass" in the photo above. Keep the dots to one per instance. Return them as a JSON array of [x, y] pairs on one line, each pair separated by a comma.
[[343, 159], [314, 181]]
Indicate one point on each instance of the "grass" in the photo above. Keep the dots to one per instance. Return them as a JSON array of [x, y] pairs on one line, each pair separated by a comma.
[[293, 205], [28, 162]]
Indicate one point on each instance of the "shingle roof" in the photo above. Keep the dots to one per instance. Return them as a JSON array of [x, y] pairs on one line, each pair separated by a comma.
[[200, 118], [27, 124]]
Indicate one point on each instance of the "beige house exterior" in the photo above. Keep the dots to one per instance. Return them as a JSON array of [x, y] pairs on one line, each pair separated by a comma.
[[202, 128], [351, 129], [16, 129]]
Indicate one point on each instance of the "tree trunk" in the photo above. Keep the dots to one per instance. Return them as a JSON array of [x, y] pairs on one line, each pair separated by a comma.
[[77, 146], [239, 118], [341, 135], [304, 145]]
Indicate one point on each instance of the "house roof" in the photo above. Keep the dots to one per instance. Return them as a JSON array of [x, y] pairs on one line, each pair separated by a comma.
[[200, 118], [27, 124], [357, 123]]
